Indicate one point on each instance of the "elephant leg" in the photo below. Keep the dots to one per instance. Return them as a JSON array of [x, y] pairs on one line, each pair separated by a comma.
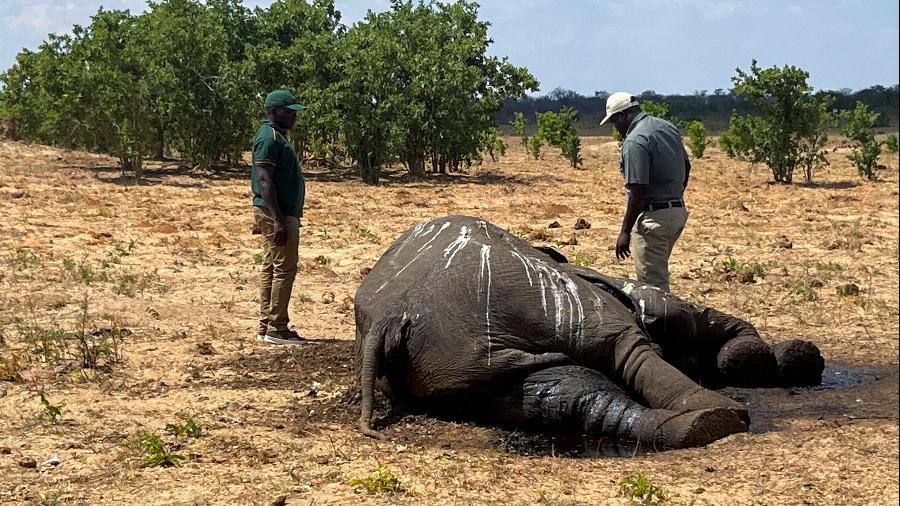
[[800, 364], [659, 383], [707, 344], [578, 399]]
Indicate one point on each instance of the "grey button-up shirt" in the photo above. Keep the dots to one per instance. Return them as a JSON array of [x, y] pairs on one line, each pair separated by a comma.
[[652, 154]]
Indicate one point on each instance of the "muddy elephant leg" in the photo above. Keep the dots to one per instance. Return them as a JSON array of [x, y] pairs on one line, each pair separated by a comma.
[[578, 399], [800, 363], [659, 383], [709, 344]]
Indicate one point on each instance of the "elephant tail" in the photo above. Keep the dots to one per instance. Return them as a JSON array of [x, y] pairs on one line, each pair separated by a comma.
[[372, 347]]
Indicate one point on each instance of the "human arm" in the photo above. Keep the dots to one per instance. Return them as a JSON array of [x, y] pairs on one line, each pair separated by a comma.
[[687, 169], [636, 196], [270, 195]]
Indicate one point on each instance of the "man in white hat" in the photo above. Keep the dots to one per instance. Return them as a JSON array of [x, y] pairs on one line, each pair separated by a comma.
[[656, 170]]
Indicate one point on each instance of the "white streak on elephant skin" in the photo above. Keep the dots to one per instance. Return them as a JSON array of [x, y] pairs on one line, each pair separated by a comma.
[[643, 309], [412, 235], [598, 307], [458, 244], [628, 287], [380, 288], [572, 289], [483, 226], [436, 234], [525, 263], [411, 261], [482, 283]]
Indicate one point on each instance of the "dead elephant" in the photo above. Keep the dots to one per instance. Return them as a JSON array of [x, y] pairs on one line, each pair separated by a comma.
[[463, 317]]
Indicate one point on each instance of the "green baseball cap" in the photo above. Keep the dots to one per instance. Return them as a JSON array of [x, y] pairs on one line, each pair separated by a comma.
[[283, 98]]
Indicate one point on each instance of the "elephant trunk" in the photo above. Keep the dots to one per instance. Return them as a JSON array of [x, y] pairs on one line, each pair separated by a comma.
[[372, 347]]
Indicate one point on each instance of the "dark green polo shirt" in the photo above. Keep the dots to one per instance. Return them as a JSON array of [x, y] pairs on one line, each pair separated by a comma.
[[271, 148], [652, 154]]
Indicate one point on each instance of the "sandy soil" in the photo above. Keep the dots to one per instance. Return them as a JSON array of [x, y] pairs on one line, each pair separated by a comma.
[[170, 263]]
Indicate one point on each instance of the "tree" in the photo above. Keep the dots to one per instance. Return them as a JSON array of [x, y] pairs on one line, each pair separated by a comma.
[[789, 130], [560, 130], [866, 149]]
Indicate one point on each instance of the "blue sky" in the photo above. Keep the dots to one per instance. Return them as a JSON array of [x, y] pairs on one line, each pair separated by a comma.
[[669, 46]]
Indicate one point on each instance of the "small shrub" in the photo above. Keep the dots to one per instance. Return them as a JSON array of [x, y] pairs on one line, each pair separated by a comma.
[[322, 261], [383, 481], [51, 412], [890, 143], [493, 143], [189, 428], [732, 265], [638, 487], [258, 258], [154, 452], [859, 128], [698, 140]]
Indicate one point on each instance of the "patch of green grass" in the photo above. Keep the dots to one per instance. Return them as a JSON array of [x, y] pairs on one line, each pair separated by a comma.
[[366, 234], [24, 259], [584, 259], [130, 284], [637, 487], [382, 481], [189, 428], [731, 265], [155, 453], [50, 413], [258, 258]]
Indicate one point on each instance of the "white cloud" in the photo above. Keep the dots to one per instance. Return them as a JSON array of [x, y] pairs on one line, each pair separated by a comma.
[[36, 18]]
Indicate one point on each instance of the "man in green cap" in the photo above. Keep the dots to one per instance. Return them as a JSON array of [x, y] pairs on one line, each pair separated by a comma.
[[278, 193]]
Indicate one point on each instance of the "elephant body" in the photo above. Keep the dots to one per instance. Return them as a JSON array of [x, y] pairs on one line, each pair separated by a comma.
[[460, 315]]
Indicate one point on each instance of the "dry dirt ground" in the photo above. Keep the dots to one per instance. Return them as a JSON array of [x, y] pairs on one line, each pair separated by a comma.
[[158, 280]]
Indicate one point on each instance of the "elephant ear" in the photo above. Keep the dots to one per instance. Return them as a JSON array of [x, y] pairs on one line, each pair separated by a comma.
[[553, 253]]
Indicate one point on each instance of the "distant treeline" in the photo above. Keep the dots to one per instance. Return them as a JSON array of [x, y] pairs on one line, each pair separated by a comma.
[[713, 109]]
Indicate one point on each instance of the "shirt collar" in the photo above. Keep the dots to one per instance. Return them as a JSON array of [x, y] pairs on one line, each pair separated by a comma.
[[641, 115], [274, 126]]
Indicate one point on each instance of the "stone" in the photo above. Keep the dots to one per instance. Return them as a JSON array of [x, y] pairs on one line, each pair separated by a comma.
[[582, 224]]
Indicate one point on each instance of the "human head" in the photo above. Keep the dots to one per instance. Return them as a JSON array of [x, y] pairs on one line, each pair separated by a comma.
[[282, 107], [621, 108]]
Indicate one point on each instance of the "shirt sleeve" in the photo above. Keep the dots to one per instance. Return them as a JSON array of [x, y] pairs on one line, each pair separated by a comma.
[[265, 150], [635, 163]]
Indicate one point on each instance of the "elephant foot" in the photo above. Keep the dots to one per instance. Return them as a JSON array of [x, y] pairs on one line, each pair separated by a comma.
[[747, 361], [701, 399], [800, 364], [666, 430]]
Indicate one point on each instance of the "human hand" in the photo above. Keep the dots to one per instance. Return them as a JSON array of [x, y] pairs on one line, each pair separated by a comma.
[[280, 238], [623, 249]]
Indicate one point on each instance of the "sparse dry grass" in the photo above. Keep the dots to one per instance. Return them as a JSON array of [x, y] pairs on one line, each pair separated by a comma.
[[173, 261]]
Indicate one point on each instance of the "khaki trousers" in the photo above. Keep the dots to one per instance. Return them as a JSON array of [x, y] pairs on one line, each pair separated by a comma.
[[279, 268], [653, 238]]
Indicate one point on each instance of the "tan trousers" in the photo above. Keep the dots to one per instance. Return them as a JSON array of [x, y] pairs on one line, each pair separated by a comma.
[[653, 238], [279, 268]]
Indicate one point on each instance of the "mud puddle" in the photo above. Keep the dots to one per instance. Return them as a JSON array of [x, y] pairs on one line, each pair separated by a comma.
[[848, 392]]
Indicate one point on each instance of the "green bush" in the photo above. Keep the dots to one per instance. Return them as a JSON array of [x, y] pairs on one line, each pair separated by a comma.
[[697, 137], [859, 129], [890, 143], [560, 130], [789, 131]]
